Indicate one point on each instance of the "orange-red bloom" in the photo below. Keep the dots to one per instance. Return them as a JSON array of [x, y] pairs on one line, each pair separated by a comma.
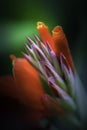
[[62, 94], [29, 88], [57, 41], [28, 83]]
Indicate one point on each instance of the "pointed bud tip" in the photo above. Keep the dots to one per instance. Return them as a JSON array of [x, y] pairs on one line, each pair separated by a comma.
[[25, 55], [25, 45], [64, 61], [13, 57], [29, 40], [36, 38], [62, 56], [48, 46]]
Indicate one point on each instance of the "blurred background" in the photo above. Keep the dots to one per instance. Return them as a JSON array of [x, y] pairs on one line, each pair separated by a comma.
[[18, 19]]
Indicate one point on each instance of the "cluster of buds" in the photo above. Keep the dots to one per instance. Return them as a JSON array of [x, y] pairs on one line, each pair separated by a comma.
[[51, 57]]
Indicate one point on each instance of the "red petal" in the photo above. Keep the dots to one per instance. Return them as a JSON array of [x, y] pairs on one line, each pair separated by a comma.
[[44, 33], [57, 41], [28, 82], [61, 45]]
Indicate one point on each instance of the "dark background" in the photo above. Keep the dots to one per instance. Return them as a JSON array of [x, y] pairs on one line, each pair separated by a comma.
[[18, 19]]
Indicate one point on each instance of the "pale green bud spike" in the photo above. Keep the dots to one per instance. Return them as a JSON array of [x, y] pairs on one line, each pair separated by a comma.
[[39, 52], [46, 53], [34, 53], [37, 41], [43, 47], [69, 78], [56, 63], [30, 60], [33, 46], [54, 59], [29, 50], [62, 94], [33, 63], [41, 67], [40, 57], [72, 84], [29, 40], [58, 79]]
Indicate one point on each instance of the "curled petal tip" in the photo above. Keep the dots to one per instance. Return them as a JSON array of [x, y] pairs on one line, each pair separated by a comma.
[[61, 45], [57, 30], [41, 25]]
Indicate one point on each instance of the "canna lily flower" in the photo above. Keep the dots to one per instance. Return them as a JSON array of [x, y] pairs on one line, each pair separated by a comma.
[[46, 80]]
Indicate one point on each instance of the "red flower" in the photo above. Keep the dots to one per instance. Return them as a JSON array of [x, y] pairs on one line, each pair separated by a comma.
[[57, 41], [26, 85]]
